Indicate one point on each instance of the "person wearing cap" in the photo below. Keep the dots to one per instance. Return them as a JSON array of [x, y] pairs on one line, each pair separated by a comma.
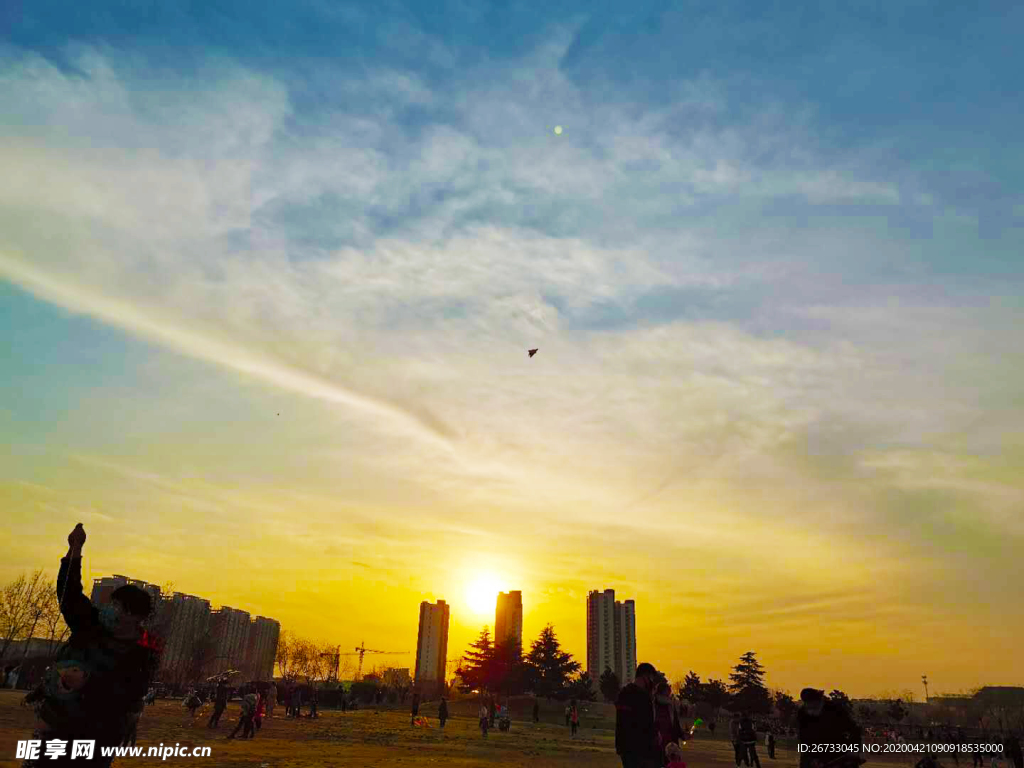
[[636, 737], [821, 721]]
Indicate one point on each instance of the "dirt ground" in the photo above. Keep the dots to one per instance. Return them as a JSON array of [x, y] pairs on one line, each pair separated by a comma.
[[373, 738]]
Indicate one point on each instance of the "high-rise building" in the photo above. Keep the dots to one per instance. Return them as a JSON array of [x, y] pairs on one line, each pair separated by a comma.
[[198, 640], [432, 646], [261, 652], [508, 618], [230, 633], [611, 636], [185, 622]]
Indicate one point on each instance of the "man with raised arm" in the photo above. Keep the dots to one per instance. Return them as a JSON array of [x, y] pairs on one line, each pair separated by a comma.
[[103, 672]]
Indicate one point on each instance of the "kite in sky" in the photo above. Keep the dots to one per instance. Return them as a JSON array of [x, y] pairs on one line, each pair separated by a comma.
[[532, 352]]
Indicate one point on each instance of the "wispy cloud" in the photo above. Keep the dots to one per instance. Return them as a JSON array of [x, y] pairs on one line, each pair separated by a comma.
[[417, 317], [714, 377]]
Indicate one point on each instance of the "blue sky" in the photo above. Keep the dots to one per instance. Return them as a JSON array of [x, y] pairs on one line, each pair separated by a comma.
[[773, 264]]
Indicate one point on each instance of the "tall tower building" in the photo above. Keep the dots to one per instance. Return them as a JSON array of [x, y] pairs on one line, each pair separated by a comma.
[[432, 646], [261, 653], [187, 620], [611, 636], [230, 630], [508, 617]]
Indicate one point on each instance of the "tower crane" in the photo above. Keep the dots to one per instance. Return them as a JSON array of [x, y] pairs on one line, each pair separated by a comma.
[[361, 650]]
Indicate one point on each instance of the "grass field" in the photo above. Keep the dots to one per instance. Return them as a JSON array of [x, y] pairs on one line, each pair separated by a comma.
[[376, 738]]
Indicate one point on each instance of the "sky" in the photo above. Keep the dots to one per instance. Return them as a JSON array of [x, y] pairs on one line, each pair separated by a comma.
[[269, 272]]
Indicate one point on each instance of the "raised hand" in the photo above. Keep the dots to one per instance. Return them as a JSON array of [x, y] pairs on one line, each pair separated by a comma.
[[77, 537]]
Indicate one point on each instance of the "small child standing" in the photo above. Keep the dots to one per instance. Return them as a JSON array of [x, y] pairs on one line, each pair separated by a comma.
[[674, 755]]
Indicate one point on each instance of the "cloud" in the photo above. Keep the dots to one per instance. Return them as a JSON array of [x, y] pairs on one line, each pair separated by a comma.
[[714, 378], [181, 339]]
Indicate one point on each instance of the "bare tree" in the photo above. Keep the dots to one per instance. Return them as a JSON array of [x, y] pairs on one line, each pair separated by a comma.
[[286, 659], [346, 668], [304, 658], [21, 608], [51, 622], [321, 666]]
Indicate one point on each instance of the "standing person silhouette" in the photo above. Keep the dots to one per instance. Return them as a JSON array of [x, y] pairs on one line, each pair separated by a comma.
[[103, 673], [220, 703], [739, 754], [748, 741], [636, 736]]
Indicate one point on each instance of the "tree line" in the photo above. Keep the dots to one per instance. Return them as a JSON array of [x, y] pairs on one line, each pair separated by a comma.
[[745, 691], [502, 668]]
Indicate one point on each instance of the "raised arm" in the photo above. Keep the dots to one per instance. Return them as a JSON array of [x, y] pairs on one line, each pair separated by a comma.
[[78, 612]]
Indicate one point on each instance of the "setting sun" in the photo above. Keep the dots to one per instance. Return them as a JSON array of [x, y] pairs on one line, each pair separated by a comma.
[[482, 594]]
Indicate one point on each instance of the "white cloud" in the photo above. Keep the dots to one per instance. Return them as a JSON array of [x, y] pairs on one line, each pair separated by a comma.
[[179, 214]]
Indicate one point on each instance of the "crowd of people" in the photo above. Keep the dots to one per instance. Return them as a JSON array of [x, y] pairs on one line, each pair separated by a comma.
[[490, 713], [98, 687]]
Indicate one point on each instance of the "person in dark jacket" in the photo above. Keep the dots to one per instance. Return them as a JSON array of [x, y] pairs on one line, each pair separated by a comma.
[[748, 741], [536, 711], [820, 721], [739, 753], [442, 712], [636, 738], [415, 708], [104, 670], [220, 703]]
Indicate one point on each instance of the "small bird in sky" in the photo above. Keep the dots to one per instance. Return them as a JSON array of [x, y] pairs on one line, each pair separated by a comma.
[[532, 352]]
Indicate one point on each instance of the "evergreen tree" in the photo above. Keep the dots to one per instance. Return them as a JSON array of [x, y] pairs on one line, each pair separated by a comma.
[[610, 685], [691, 688], [746, 684], [748, 673], [551, 666], [478, 671]]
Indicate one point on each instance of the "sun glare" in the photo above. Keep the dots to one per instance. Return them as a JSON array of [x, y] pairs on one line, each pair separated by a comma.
[[482, 594]]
